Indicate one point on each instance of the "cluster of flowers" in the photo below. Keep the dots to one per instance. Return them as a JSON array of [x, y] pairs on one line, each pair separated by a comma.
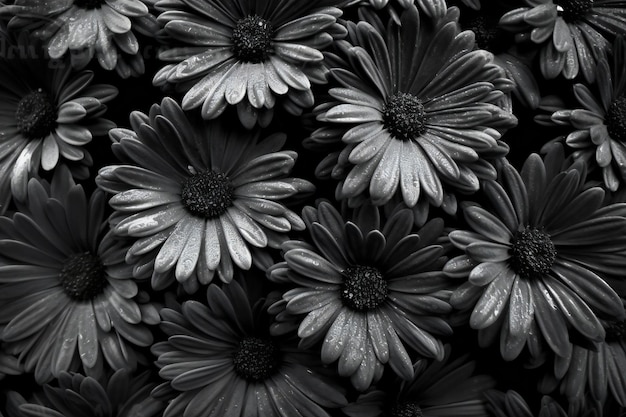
[[358, 208]]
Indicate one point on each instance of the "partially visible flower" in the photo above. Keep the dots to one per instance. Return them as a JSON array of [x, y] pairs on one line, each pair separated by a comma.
[[48, 113], [67, 299], [600, 135], [572, 34], [247, 54], [366, 288], [438, 388], [84, 29], [434, 9], [122, 394], [219, 360], [415, 110], [199, 197], [512, 404], [516, 65], [539, 254]]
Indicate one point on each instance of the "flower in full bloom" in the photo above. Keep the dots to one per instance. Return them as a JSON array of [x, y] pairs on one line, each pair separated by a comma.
[[47, 115], [219, 360], [573, 34], [246, 53], [599, 137], [538, 255], [415, 109], [68, 299], [87, 29], [122, 394], [197, 196], [366, 290], [438, 388]]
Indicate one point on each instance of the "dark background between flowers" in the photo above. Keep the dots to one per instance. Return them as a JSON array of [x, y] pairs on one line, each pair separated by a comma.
[[138, 94]]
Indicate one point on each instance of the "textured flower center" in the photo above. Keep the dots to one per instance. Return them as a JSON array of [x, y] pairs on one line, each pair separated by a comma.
[[404, 116], [364, 288], [88, 4], [82, 276], [615, 331], [252, 39], [35, 115], [405, 410], [487, 34], [573, 10], [616, 119], [533, 253], [256, 359], [207, 194]]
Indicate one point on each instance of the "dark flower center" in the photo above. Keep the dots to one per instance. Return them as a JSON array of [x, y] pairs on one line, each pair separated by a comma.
[[487, 34], [533, 253], [88, 4], [615, 331], [573, 10], [82, 276], [256, 359], [404, 116], [207, 194], [35, 115], [616, 119], [363, 288], [407, 409], [252, 39]]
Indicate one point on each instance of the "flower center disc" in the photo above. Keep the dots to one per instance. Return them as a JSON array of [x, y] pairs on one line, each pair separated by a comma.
[[363, 288], [35, 115], [616, 119], [82, 276], [255, 359], [252, 39], [615, 331], [405, 410], [88, 4], [573, 10], [404, 116], [207, 194], [533, 253]]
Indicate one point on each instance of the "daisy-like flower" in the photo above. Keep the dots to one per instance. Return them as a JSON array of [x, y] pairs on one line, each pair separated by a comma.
[[600, 135], [539, 255], [573, 34], [47, 115], [67, 299], [219, 360], [122, 394], [199, 197], [434, 9], [365, 290], [516, 65], [415, 104], [596, 371], [84, 29], [512, 404], [246, 53], [439, 388]]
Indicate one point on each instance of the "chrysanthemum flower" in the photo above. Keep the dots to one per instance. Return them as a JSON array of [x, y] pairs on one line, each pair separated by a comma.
[[67, 299], [573, 34], [512, 404], [84, 29], [366, 290], [122, 394], [47, 115], [434, 9], [594, 371], [415, 104], [439, 388], [246, 53], [219, 360], [600, 135], [516, 65], [197, 196], [539, 255]]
